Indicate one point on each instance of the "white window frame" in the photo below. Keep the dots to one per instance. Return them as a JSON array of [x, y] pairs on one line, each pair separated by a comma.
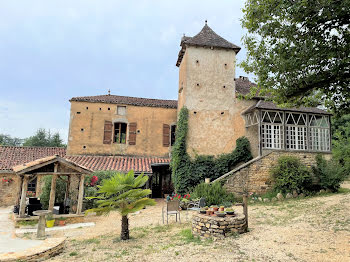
[[272, 133]]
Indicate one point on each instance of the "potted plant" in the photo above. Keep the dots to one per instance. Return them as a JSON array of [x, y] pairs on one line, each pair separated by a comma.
[[202, 211], [220, 213], [50, 221], [222, 208], [61, 221], [215, 208], [230, 211], [206, 207]]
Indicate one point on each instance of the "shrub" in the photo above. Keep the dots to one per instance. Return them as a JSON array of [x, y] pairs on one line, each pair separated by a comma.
[[290, 174], [213, 193], [60, 191], [328, 173], [187, 172]]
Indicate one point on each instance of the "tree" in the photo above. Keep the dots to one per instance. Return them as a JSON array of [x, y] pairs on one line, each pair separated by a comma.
[[341, 141], [124, 193], [299, 51], [45, 139], [6, 140]]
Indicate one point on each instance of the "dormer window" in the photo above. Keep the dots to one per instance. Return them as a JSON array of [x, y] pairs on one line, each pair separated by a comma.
[[121, 110]]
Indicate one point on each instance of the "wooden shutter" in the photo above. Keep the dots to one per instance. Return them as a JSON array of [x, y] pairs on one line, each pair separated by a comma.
[[108, 130], [166, 135], [132, 133]]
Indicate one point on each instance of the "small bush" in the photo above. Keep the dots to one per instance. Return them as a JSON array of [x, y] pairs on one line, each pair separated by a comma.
[[290, 174], [214, 194], [328, 173]]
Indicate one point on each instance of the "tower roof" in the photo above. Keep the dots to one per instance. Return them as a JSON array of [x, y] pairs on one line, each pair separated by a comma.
[[205, 38]]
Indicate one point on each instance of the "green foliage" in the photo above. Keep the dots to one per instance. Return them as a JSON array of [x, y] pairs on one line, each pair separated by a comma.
[[187, 173], [329, 173], [299, 50], [122, 192], [213, 193], [341, 141], [290, 174], [6, 140], [44, 138], [45, 195]]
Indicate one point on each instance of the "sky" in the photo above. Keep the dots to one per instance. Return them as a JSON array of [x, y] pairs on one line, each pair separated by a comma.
[[51, 51]]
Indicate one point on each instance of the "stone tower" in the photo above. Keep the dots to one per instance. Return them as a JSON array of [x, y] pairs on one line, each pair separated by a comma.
[[207, 88]]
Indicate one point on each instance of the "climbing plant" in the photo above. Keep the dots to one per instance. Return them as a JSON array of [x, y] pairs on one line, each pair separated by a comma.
[[187, 172]]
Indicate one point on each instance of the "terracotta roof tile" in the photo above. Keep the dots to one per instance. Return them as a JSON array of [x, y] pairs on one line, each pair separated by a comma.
[[118, 163], [14, 156], [11, 156], [243, 85], [127, 100]]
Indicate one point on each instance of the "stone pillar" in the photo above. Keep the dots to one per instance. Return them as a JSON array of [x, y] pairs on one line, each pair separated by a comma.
[[41, 227]]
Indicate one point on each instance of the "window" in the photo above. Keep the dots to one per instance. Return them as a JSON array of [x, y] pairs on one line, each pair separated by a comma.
[[121, 110], [172, 135], [32, 185], [272, 130], [119, 133], [293, 131], [296, 131], [319, 133]]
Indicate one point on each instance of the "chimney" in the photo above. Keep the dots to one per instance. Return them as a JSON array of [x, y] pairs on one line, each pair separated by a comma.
[[244, 78]]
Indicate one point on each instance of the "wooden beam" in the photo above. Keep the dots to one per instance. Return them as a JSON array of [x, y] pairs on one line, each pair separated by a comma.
[[19, 191], [22, 208], [53, 188], [57, 173], [81, 195]]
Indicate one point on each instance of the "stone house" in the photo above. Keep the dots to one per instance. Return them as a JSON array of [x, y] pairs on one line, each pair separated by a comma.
[[110, 132]]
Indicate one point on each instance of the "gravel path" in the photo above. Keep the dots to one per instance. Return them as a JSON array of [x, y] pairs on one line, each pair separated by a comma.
[[310, 229]]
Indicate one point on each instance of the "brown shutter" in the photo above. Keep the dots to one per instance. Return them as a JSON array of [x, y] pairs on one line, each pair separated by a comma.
[[132, 133], [166, 134], [107, 135]]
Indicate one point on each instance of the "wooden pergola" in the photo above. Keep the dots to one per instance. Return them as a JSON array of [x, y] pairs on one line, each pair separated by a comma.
[[56, 167]]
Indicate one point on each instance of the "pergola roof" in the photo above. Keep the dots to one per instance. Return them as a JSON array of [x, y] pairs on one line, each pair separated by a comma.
[[268, 105], [33, 165]]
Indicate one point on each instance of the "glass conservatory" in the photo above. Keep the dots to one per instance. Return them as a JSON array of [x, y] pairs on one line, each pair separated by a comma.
[[288, 130]]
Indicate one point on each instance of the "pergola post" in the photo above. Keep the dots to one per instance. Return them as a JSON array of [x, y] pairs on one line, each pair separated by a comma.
[[80, 195], [22, 208], [53, 188]]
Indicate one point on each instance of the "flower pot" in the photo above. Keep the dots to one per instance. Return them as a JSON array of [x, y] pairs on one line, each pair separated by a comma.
[[50, 223], [219, 214], [61, 223], [221, 209], [215, 209], [202, 211], [230, 213]]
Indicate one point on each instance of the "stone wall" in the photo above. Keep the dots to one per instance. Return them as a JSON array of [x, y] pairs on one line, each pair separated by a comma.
[[9, 191], [254, 176], [207, 89], [87, 128], [218, 227]]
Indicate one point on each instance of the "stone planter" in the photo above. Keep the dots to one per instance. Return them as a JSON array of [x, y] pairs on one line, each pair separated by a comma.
[[218, 227]]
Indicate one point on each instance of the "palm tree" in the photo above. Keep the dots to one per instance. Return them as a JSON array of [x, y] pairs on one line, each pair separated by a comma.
[[124, 193]]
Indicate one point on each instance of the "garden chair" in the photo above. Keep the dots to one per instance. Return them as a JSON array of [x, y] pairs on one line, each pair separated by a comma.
[[171, 208], [196, 205]]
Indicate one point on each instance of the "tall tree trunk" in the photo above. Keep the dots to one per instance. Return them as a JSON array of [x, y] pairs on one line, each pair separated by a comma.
[[124, 234]]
